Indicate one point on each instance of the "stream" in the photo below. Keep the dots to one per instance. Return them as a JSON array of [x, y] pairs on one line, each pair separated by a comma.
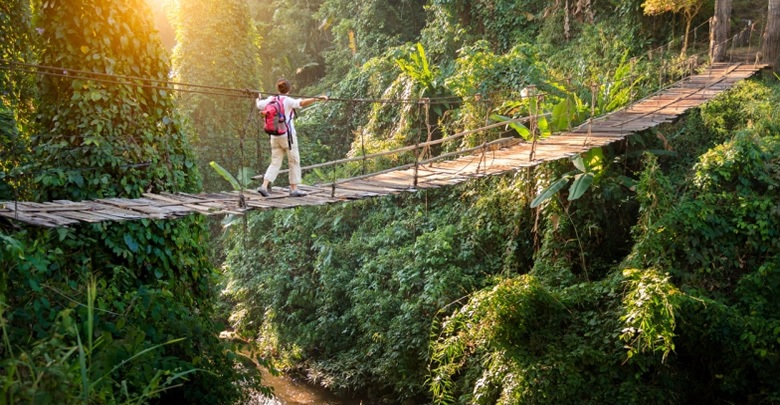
[[290, 392]]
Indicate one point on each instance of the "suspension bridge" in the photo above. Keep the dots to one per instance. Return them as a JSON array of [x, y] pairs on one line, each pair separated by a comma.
[[491, 158]]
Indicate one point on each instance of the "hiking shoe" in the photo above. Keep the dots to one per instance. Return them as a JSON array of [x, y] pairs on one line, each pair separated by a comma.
[[263, 191], [297, 193]]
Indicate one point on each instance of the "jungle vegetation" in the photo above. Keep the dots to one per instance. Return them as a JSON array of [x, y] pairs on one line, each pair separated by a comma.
[[644, 272]]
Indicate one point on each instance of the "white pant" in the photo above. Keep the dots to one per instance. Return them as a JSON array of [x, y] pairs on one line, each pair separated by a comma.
[[279, 147]]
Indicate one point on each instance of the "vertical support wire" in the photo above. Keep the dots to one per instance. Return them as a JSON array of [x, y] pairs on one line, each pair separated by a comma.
[[258, 147], [661, 69], [593, 89], [427, 149], [242, 137], [750, 40], [569, 102], [484, 141], [532, 155], [731, 54], [759, 53], [417, 151], [362, 139]]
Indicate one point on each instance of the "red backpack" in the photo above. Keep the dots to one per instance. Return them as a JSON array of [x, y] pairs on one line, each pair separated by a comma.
[[275, 120]]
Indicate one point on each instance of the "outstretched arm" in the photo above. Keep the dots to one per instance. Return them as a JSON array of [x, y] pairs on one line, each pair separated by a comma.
[[309, 101]]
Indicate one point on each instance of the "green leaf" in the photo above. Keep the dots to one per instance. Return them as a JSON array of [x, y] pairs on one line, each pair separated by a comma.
[[550, 191], [226, 175], [594, 160], [562, 114], [579, 163], [229, 220], [521, 129], [245, 175], [544, 127], [628, 182], [580, 185], [131, 243]]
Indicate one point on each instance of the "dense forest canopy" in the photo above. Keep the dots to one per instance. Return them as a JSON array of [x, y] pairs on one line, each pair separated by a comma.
[[655, 282]]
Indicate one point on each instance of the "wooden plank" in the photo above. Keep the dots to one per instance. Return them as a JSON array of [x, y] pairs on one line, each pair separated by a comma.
[[50, 207], [369, 185], [82, 216], [30, 219], [366, 189], [58, 220]]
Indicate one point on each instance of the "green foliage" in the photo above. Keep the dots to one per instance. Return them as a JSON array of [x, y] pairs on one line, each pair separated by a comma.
[[244, 176], [521, 342], [65, 367], [10, 157], [418, 69], [16, 92], [351, 290], [485, 81], [347, 295], [366, 30], [500, 24], [649, 319], [217, 46], [714, 239], [102, 140], [96, 139], [299, 57], [589, 169], [153, 289]]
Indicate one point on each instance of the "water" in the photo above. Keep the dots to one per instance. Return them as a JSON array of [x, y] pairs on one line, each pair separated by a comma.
[[290, 392]]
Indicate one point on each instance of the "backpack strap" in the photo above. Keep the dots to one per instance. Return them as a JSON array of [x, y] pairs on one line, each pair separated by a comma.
[[287, 120]]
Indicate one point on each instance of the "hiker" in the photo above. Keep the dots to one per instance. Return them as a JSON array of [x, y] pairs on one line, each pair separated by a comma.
[[284, 140]]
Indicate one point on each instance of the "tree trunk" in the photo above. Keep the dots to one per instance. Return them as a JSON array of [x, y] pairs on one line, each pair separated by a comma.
[[719, 30], [771, 50], [688, 20]]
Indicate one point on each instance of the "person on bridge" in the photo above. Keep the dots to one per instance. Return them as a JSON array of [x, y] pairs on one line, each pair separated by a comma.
[[281, 144]]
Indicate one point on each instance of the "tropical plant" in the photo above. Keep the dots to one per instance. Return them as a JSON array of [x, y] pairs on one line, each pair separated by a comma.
[[71, 366], [589, 167], [239, 184]]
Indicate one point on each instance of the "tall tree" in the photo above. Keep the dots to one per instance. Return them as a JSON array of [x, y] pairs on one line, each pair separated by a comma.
[[217, 45], [16, 95], [93, 132], [771, 49], [108, 128], [719, 30], [294, 39]]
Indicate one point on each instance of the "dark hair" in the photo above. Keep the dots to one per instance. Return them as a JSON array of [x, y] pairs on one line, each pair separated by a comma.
[[283, 86]]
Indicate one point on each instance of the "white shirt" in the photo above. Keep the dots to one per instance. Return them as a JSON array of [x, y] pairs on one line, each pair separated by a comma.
[[290, 104]]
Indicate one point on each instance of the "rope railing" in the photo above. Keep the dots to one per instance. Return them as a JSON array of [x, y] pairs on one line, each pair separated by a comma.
[[419, 148], [672, 69]]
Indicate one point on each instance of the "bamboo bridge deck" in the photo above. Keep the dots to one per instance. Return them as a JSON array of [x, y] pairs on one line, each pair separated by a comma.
[[511, 155]]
